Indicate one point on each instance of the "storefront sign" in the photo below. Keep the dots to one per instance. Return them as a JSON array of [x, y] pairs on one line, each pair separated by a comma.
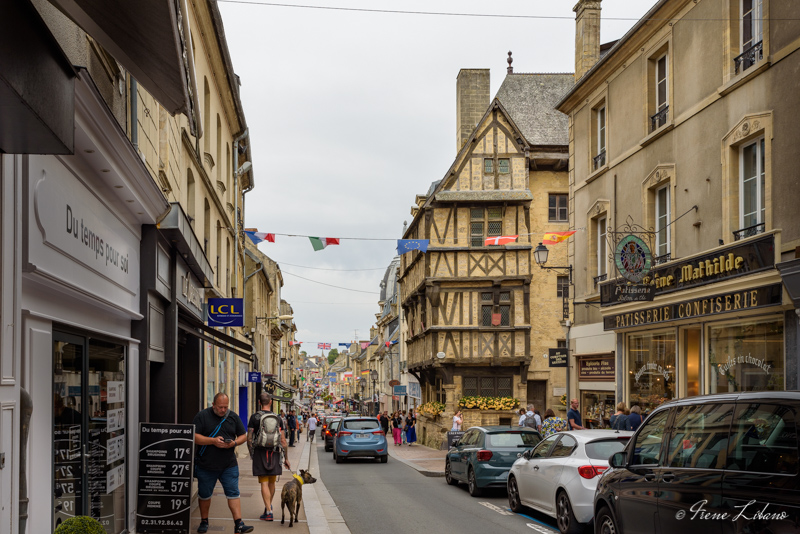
[[745, 299], [399, 390], [632, 258], [166, 457], [414, 390], [225, 312], [597, 368], [634, 293], [723, 264], [254, 376], [558, 357]]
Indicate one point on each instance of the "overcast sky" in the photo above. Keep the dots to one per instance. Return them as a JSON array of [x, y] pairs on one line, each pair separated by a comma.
[[351, 114]]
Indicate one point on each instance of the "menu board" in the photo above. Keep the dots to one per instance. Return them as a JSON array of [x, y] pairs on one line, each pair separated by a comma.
[[166, 455]]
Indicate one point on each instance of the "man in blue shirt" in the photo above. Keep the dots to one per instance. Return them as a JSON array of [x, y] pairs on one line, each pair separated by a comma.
[[291, 420], [574, 416]]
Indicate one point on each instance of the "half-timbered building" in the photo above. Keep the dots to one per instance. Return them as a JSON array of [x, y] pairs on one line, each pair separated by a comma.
[[479, 317]]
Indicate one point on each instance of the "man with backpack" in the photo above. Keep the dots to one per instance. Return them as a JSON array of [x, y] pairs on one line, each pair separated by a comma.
[[267, 442], [218, 431], [532, 419]]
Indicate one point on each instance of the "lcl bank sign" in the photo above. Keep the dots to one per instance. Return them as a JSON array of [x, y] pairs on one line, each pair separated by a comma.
[[225, 312]]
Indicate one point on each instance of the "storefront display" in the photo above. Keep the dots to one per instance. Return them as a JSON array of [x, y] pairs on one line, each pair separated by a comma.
[[651, 369], [597, 407], [746, 357]]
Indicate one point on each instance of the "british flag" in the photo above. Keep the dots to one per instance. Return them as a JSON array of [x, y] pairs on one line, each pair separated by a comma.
[[324, 346]]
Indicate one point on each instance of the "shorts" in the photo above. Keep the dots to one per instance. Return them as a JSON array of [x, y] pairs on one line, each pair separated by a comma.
[[206, 480], [267, 478]]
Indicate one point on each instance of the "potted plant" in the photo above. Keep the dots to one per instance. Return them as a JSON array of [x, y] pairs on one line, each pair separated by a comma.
[[80, 524]]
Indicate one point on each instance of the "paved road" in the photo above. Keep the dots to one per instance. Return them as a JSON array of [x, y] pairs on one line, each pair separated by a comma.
[[393, 497]]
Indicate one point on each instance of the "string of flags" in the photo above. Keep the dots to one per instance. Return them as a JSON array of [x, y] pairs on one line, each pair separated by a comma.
[[327, 346], [408, 245]]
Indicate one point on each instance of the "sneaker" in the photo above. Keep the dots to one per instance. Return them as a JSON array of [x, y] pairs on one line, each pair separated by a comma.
[[266, 516], [203, 526], [241, 528]]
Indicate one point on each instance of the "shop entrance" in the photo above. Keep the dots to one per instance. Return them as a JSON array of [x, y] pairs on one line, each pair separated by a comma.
[[537, 392], [89, 430]]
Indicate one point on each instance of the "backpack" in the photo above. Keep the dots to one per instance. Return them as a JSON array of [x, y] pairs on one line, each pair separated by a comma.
[[268, 434], [530, 421]]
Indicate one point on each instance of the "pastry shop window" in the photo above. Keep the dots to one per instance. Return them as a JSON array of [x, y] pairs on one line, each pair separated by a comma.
[[746, 356], [597, 407], [651, 369]]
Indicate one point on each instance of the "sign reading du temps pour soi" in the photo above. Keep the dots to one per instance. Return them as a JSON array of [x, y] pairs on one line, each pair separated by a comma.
[[225, 312]]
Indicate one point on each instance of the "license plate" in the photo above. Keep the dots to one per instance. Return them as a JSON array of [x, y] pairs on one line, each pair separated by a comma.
[[361, 436]]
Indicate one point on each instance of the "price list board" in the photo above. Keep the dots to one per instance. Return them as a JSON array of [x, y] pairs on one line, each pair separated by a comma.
[[166, 453]]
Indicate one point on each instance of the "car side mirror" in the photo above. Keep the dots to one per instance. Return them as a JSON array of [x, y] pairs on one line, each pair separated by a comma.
[[617, 459], [527, 454]]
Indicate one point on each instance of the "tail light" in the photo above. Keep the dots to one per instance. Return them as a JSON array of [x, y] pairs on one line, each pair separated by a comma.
[[378, 432], [590, 471], [328, 432], [484, 456], [345, 433]]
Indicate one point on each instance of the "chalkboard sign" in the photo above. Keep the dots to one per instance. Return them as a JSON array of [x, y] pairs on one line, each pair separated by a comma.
[[453, 436], [166, 456]]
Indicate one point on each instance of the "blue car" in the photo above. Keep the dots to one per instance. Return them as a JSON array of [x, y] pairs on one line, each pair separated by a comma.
[[484, 455], [360, 437]]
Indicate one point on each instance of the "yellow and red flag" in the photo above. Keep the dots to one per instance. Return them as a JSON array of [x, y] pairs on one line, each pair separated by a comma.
[[554, 238]]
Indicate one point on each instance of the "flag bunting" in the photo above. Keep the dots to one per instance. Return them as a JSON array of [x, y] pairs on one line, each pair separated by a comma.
[[259, 237], [410, 245], [320, 243], [324, 346], [500, 240]]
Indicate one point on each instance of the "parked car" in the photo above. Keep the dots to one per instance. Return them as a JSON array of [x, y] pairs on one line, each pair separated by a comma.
[[360, 437], [559, 476], [719, 463], [484, 454], [330, 432]]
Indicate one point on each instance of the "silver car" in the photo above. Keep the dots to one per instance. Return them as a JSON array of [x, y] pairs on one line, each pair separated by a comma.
[[558, 476]]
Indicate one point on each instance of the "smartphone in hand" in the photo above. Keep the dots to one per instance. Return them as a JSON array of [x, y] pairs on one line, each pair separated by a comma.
[[228, 440]]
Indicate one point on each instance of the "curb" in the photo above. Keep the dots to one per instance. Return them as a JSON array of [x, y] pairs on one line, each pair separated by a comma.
[[322, 514], [420, 470]]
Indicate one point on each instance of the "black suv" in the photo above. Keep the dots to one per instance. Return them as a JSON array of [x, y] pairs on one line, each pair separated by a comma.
[[330, 432], [720, 463]]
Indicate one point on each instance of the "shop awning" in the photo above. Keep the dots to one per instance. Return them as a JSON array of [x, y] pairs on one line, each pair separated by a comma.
[[219, 339], [151, 39]]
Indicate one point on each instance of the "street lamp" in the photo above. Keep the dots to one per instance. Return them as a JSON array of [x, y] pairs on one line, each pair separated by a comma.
[[279, 317], [540, 256], [374, 376]]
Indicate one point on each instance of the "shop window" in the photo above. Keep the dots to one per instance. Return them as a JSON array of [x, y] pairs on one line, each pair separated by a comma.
[[557, 210], [485, 223], [763, 439], [651, 369], [598, 407], [699, 436], [747, 356]]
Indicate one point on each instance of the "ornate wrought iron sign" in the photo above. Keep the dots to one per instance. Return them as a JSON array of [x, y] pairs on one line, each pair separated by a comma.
[[632, 258]]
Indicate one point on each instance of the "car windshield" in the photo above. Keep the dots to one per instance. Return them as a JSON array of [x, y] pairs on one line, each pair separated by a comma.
[[335, 424], [362, 424], [513, 439], [603, 449]]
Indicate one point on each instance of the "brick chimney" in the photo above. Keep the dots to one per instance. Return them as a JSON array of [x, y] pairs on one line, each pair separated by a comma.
[[472, 100], [587, 35]]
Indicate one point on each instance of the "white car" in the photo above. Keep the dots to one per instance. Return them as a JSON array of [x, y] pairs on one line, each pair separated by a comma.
[[559, 476]]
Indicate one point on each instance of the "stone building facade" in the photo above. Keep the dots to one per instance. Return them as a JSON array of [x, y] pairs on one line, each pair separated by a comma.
[[684, 135], [478, 318]]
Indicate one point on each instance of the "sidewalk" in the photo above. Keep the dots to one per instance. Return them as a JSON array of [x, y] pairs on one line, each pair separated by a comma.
[[323, 516], [429, 462]]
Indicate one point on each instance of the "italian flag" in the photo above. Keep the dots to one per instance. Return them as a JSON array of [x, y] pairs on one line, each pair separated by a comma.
[[321, 242]]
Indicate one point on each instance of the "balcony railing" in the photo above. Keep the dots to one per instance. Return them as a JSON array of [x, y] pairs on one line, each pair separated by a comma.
[[598, 279], [659, 119], [599, 160], [664, 258], [748, 58], [749, 231]]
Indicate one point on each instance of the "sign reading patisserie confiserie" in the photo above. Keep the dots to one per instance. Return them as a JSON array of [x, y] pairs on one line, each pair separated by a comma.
[[602, 368], [745, 299], [722, 264]]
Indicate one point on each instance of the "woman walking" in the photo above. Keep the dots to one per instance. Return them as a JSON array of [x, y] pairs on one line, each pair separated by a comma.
[[635, 418], [620, 421], [552, 424], [397, 423], [411, 430]]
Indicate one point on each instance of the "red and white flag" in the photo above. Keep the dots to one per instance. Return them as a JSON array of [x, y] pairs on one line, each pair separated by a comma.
[[324, 346], [500, 240]]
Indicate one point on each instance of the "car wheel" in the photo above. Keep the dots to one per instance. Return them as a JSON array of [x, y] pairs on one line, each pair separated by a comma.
[[565, 519], [513, 495], [384, 459], [474, 490], [337, 458], [448, 475], [604, 523]]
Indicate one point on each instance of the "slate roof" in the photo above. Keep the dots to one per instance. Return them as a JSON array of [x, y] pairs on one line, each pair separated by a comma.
[[530, 99]]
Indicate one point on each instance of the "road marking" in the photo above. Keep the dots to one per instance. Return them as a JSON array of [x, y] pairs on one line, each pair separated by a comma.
[[540, 528], [497, 509]]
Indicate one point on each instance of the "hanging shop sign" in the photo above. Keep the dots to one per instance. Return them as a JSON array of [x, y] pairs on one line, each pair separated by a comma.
[[399, 390], [745, 299], [722, 264], [166, 455], [632, 258], [558, 357], [254, 376], [225, 312], [597, 368]]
